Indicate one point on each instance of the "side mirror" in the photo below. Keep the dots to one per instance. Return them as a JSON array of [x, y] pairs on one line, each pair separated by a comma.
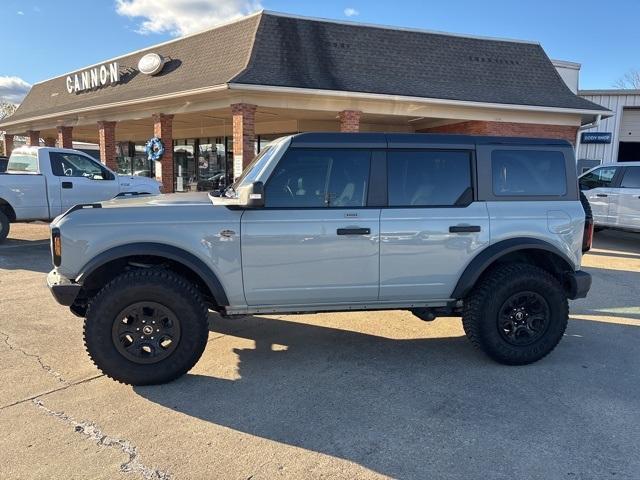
[[255, 198]]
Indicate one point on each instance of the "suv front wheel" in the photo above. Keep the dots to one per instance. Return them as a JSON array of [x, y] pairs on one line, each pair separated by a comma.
[[516, 314], [146, 327]]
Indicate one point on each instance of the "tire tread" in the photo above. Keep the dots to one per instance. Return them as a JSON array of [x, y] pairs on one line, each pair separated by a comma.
[[178, 285], [475, 303]]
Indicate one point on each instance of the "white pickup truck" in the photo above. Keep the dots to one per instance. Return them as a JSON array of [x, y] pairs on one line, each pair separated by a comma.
[[41, 183]]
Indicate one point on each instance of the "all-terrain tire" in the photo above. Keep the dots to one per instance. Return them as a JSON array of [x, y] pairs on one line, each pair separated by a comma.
[[165, 288], [586, 206], [482, 309], [5, 225], [588, 213]]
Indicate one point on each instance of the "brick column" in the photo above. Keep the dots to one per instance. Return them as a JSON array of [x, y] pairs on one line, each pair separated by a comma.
[[8, 144], [350, 120], [163, 129], [65, 137], [49, 142], [244, 136], [107, 141], [33, 138]]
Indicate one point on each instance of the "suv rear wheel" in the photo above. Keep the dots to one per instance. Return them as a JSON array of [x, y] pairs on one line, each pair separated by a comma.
[[146, 327], [517, 314]]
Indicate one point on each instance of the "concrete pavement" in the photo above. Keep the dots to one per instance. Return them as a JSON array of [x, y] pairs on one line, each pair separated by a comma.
[[353, 395]]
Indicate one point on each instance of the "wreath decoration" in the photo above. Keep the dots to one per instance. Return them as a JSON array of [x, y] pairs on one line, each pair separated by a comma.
[[154, 149]]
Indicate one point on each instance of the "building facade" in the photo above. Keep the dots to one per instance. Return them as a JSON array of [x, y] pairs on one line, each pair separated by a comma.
[[216, 97], [615, 138]]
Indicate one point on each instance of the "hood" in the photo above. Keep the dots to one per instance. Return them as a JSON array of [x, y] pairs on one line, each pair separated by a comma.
[[136, 179], [167, 200]]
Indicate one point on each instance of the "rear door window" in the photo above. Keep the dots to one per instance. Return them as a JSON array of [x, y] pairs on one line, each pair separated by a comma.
[[528, 173], [429, 178], [631, 178]]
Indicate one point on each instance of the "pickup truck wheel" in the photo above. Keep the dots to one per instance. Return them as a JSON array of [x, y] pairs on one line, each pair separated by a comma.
[[517, 314], [146, 327], [4, 226]]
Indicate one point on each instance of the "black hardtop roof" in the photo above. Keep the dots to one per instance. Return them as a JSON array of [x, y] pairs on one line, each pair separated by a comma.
[[411, 140]]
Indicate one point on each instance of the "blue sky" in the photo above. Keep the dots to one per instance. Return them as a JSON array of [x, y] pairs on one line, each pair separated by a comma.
[[44, 38]]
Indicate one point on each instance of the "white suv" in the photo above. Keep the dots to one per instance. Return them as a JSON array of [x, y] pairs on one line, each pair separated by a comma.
[[487, 228], [613, 192]]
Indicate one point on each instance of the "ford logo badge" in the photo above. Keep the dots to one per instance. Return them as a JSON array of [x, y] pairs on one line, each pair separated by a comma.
[[151, 64]]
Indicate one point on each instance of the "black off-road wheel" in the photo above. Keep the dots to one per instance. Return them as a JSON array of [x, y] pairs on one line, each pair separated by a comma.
[[146, 327], [5, 225], [517, 314]]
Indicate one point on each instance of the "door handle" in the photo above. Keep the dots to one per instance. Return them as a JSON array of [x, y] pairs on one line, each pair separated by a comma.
[[602, 195], [67, 184], [464, 228], [353, 231]]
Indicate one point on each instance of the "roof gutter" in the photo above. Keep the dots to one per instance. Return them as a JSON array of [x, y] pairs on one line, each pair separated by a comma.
[[405, 98], [156, 98], [587, 126]]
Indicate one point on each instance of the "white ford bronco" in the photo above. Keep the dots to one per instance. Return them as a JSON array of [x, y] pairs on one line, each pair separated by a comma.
[[40, 183], [489, 229]]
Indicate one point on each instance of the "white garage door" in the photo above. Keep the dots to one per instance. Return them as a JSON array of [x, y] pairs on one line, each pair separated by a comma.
[[630, 127]]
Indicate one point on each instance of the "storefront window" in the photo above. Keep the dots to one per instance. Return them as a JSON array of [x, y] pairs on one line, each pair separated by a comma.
[[211, 164], [186, 172], [132, 160], [205, 164]]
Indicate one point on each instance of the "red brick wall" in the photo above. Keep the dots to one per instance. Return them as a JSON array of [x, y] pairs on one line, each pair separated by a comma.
[[8, 144], [508, 129], [65, 139], [349, 120], [163, 129], [107, 141], [244, 135], [49, 142]]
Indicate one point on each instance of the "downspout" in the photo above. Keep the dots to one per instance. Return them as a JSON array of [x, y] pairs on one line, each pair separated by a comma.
[[581, 128]]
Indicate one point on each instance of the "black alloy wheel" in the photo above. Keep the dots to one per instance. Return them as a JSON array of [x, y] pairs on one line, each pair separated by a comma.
[[523, 318], [146, 332]]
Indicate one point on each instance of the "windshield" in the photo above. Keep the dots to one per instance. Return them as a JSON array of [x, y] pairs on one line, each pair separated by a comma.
[[254, 168], [23, 163]]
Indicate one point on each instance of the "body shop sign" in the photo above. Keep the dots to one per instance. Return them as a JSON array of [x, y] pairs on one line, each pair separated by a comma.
[[100, 76], [596, 137]]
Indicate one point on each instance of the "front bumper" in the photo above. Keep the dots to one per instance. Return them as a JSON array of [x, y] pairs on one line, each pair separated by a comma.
[[65, 291], [578, 284]]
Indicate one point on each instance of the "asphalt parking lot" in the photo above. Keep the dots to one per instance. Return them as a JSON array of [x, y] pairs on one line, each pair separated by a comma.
[[356, 395]]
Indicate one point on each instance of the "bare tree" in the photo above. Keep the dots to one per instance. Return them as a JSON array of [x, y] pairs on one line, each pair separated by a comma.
[[6, 109], [630, 80]]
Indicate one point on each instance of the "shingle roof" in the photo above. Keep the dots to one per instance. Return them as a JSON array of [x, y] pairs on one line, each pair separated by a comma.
[[279, 50], [208, 58]]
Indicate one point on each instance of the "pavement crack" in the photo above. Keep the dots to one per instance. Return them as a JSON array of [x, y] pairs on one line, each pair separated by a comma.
[[94, 433], [49, 392], [44, 366]]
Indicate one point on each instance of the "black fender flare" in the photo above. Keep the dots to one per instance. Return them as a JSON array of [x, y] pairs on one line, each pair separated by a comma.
[[170, 252], [489, 255]]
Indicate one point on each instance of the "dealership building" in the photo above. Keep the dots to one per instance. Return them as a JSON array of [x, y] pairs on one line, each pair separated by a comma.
[[615, 138], [217, 97]]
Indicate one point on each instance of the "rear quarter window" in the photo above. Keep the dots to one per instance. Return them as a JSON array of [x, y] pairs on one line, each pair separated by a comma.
[[528, 173], [23, 163]]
